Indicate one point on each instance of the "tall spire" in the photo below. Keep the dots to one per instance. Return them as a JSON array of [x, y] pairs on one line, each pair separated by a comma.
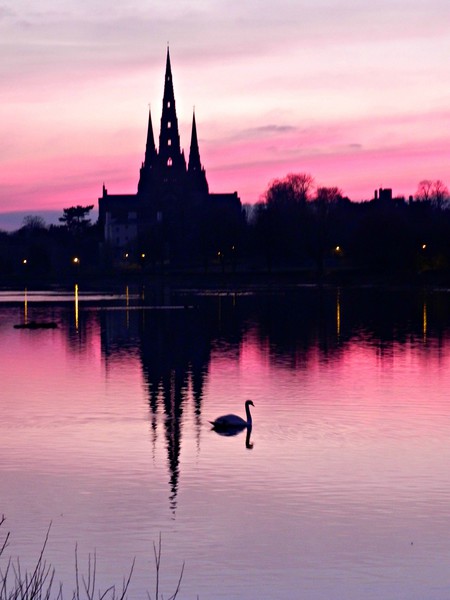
[[147, 172], [168, 69], [171, 158], [150, 148], [194, 153], [196, 173]]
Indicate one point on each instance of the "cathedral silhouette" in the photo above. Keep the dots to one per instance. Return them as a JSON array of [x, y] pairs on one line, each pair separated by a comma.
[[173, 216]]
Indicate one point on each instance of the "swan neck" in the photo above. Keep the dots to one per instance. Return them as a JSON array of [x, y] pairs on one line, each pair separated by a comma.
[[248, 414]]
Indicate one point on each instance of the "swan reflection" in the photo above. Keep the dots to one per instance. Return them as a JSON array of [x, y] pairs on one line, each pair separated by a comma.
[[234, 432]]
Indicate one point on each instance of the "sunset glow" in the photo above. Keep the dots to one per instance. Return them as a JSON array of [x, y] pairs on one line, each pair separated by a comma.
[[356, 95]]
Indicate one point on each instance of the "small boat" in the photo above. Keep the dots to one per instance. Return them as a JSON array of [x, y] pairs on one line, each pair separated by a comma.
[[37, 325]]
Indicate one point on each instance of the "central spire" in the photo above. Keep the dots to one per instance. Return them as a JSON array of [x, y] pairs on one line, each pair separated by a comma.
[[171, 158]]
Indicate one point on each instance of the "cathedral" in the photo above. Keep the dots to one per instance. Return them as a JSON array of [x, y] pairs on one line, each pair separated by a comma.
[[172, 216]]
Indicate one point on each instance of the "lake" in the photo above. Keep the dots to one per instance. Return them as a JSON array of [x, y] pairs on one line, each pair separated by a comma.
[[341, 490]]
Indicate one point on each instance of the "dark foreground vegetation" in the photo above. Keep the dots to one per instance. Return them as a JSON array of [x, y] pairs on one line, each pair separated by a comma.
[[40, 582], [297, 231]]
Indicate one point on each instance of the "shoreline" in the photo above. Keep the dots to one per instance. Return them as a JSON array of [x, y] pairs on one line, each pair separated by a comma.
[[239, 280]]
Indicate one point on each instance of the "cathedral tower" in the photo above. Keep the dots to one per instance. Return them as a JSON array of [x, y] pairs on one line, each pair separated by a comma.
[[171, 159]]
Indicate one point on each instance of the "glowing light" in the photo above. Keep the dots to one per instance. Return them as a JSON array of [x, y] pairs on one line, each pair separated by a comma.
[[127, 302], [76, 260], [25, 306], [424, 322], [76, 305], [424, 246], [24, 262]]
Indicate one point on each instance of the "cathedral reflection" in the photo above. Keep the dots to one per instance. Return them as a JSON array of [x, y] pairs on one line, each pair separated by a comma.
[[175, 353], [174, 347]]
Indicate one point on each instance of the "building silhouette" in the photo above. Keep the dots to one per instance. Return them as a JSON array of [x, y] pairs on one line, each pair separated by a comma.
[[173, 216], [383, 195]]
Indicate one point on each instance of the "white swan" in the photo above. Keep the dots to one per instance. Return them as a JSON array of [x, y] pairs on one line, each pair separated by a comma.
[[233, 422]]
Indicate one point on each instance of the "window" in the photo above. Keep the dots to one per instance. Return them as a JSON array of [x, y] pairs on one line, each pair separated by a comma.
[[169, 124], [169, 162], [169, 142], [168, 104]]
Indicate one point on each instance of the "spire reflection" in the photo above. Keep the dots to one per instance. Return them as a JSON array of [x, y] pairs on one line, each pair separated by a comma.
[[175, 353]]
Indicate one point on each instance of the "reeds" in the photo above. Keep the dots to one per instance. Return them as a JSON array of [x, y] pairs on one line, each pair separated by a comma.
[[38, 583]]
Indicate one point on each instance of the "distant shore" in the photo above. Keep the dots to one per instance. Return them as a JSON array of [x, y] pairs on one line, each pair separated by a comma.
[[240, 279]]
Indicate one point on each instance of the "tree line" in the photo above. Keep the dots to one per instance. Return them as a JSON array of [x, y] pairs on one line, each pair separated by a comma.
[[43, 252], [297, 225]]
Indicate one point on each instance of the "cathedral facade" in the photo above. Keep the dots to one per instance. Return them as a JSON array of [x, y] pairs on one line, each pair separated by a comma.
[[172, 215]]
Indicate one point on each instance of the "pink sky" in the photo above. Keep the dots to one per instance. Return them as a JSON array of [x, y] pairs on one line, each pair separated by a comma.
[[357, 95]]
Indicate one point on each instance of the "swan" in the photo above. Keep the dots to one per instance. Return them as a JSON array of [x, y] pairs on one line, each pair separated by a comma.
[[234, 422]]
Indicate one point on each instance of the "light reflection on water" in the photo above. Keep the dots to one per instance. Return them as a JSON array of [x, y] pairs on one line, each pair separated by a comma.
[[344, 492]]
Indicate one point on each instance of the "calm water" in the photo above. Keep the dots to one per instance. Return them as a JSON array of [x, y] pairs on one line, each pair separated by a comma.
[[342, 491]]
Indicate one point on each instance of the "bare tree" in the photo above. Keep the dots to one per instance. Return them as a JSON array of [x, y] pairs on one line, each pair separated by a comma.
[[294, 189], [33, 223], [435, 192], [439, 195], [423, 192], [326, 198]]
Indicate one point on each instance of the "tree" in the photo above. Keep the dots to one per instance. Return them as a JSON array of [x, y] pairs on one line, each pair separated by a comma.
[[282, 224], [75, 218], [434, 192], [326, 199], [33, 223], [325, 202], [423, 193], [439, 194], [294, 189]]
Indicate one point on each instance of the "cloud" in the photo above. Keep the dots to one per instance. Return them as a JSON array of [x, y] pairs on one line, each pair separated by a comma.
[[5, 12], [264, 131]]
